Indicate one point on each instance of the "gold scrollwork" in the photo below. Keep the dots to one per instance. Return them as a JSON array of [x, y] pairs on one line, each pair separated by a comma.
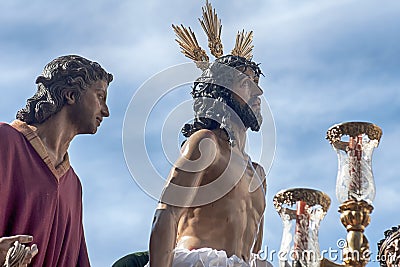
[[355, 214], [353, 129], [310, 196]]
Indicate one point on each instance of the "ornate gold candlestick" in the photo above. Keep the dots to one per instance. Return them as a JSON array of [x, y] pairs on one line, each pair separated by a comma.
[[355, 217]]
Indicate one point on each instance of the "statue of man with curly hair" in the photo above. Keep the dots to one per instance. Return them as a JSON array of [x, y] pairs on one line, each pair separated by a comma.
[[218, 221], [40, 194]]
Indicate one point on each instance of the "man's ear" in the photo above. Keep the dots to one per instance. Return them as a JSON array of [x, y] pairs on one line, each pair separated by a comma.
[[70, 97]]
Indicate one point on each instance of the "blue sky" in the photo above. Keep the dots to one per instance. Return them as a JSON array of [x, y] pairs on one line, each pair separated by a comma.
[[324, 62]]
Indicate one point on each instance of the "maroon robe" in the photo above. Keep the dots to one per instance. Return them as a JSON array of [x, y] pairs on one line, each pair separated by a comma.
[[40, 200]]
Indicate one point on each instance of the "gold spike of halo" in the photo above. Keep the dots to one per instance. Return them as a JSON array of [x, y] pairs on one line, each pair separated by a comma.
[[213, 28], [189, 45], [243, 46]]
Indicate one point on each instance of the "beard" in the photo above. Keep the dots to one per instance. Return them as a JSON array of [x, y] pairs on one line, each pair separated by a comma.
[[250, 118]]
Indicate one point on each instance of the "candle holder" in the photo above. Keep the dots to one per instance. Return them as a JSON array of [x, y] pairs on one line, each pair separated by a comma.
[[301, 210], [355, 187], [355, 180]]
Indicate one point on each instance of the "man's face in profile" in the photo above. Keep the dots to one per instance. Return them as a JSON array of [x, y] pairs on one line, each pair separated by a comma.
[[247, 93]]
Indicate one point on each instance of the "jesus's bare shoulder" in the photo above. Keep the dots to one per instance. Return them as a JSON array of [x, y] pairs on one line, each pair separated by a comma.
[[204, 152]]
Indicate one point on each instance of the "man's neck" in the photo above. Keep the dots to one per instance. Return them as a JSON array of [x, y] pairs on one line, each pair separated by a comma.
[[239, 133], [56, 134]]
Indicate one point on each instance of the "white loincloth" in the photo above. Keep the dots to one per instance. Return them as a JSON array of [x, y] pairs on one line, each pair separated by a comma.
[[208, 257]]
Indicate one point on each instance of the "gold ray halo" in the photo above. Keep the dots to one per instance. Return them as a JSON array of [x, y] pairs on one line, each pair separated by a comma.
[[212, 27]]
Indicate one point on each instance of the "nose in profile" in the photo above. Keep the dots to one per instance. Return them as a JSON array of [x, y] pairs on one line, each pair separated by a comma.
[[104, 111], [257, 89]]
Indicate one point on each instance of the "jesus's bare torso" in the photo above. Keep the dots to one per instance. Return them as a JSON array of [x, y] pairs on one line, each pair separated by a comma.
[[232, 222]]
